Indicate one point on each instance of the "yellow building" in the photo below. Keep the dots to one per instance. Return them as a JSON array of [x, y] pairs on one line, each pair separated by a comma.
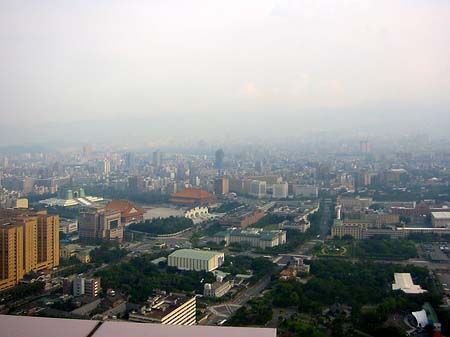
[[29, 241]]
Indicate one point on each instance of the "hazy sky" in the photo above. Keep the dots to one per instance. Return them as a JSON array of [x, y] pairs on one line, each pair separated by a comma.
[[241, 64]]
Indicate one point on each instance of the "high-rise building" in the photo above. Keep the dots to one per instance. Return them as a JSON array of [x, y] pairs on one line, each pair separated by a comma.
[[258, 188], [364, 146], [218, 163], [29, 241], [221, 185], [100, 224], [158, 158], [130, 162], [280, 191]]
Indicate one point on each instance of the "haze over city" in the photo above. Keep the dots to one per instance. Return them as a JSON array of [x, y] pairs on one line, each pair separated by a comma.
[[143, 70], [269, 168]]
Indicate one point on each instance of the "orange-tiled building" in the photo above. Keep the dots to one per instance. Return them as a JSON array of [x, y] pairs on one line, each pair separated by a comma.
[[192, 196], [129, 212]]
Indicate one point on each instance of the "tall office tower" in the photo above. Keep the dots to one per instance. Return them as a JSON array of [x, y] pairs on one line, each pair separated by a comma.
[[218, 163], [100, 224], [158, 158], [364, 146], [5, 163], [87, 151], [105, 166], [133, 184], [222, 185], [130, 162], [29, 241]]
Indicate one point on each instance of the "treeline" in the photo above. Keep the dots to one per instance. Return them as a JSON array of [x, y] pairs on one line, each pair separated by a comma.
[[162, 226], [227, 207], [241, 264], [20, 291], [385, 249], [107, 253], [139, 278]]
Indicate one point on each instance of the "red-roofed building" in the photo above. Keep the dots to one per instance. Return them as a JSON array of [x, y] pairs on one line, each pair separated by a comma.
[[192, 196], [129, 212]]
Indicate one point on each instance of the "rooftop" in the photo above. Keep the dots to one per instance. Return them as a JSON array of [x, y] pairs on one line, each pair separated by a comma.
[[441, 215], [195, 254], [23, 326], [404, 282]]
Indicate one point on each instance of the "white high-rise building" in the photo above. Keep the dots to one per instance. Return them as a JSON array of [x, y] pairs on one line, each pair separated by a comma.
[[258, 188], [280, 191]]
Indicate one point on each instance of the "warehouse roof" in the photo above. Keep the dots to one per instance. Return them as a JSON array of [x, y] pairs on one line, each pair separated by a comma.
[[195, 254]]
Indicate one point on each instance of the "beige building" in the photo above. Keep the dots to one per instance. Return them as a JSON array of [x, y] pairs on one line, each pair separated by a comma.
[[100, 224], [217, 289], [172, 309], [193, 259], [29, 241], [440, 219], [254, 237]]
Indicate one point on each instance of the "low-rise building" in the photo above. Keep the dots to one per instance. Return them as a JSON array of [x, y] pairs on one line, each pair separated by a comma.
[[195, 259], [217, 289], [440, 219], [174, 309], [255, 237]]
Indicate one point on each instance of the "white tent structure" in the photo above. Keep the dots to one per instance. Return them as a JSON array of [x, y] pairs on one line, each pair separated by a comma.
[[421, 318]]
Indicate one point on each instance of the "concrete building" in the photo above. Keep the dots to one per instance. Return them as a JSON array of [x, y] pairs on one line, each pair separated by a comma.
[[217, 289], [254, 237], [192, 197], [83, 286], [29, 241], [440, 219], [172, 309], [222, 185], [280, 191], [100, 224], [242, 218], [68, 227], [258, 188], [193, 259], [129, 212], [309, 191]]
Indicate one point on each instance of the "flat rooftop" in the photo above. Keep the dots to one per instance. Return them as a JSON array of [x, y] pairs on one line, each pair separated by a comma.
[[195, 254], [441, 215], [24, 326]]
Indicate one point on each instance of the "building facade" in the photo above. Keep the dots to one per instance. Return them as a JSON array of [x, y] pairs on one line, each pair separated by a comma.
[[100, 224], [192, 259], [29, 241]]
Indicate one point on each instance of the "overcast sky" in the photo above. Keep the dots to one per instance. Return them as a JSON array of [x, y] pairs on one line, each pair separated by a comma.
[[165, 64]]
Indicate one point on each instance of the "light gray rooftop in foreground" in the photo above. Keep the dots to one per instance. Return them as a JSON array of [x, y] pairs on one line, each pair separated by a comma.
[[23, 326]]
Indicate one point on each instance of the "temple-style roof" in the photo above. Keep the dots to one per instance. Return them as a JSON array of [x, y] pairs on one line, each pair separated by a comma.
[[193, 193], [192, 196], [127, 208]]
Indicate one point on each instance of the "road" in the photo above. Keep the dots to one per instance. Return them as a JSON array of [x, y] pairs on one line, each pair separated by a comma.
[[226, 310]]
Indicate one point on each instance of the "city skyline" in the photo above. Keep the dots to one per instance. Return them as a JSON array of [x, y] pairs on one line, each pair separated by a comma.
[[140, 71]]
